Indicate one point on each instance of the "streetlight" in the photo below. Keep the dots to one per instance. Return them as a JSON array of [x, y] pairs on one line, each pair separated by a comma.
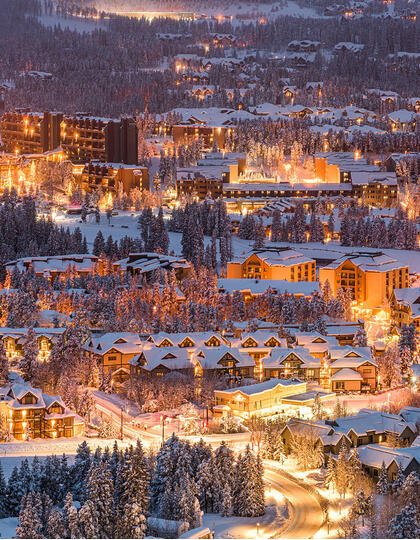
[[122, 422], [162, 419], [258, 529]]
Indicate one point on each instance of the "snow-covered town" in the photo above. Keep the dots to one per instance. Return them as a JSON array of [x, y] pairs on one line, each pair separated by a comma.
[[209, 269]]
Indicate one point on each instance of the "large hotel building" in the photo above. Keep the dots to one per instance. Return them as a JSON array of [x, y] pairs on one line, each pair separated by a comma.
[[82, 137]]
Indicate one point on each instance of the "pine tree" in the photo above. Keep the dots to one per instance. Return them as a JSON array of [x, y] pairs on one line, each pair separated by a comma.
[[80, 471], [15, 491], [98, 244], [29, 520], [88, 522], [100, 492], [360, 339], [4, 365], [248, 500], [383, 482], [3, 494], [70, 517], [404, 524], [133, 522], [134, 481], [398, 483], [55, 526], [29, 363]]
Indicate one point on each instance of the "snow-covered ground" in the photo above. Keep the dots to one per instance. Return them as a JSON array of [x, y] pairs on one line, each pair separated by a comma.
[[12, 454], [125, 223], [269, 525], [8, 527], [77, 24]]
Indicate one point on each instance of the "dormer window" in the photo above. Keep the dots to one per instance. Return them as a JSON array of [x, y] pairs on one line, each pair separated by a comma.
[[28, 399]]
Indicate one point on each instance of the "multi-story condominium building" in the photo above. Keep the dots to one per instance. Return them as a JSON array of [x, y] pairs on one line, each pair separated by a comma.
[[273, 263], [370, 276], [405, 306], [14, 339], [375, 187], [26, 132], [108, 177], [209, 175], [29, 413], [85, 138], [82, 137]]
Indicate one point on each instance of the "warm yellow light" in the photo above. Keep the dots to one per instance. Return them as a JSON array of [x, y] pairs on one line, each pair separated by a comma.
[[24, 413], [54, 434]]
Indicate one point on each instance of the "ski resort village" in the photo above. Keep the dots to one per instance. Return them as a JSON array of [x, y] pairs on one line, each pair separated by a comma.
[[209, 269]]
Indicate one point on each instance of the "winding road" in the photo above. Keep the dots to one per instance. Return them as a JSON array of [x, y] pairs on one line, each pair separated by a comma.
[[307, 516], [307, 513]]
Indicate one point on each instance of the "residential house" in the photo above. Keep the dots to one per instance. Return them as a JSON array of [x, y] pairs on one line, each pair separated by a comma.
[[158, 362], [113, 352], [405, 306], [14, 340], [55, 267], [374, 427], [373, 456], [288, 363], [322, 434], [352, 369], [229, 361], [29, 413]]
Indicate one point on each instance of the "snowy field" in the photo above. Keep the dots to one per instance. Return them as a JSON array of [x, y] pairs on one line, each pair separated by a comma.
[[125, 223], [12, 454], [77, 24]]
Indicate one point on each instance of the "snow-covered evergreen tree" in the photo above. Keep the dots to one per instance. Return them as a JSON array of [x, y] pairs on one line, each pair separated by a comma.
[[404, 524], [29, 363], [383, 482]]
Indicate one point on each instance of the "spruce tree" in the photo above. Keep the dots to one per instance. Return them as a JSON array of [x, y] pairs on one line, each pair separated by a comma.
[[29, 521], [4, 365], [404, 524], [383, 482], [55, 526]]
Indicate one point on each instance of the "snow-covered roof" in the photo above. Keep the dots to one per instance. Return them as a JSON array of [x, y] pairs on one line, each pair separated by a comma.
[[368, 261], [369, 420], [374, 455], [278, 356], [263, 386], [347, 374], [59, 264], [178, 339], [125, 342], [278, 286], [210, 357], [279, 257], [402, 116]]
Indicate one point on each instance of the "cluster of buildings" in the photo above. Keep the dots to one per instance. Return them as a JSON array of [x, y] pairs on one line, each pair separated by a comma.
[[346, 174], [380, 438], [262, 355]]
